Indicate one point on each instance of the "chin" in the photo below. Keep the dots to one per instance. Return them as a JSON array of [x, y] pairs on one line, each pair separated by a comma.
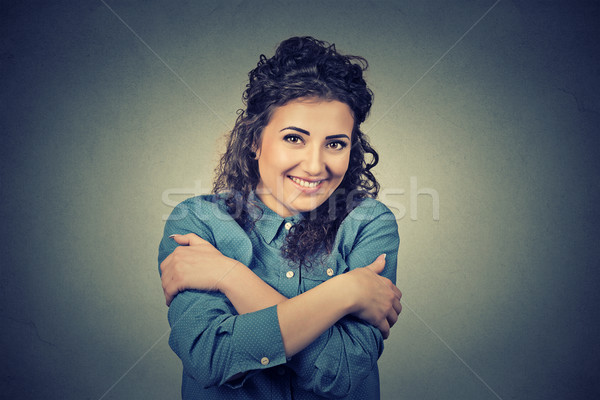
[[307, 205]]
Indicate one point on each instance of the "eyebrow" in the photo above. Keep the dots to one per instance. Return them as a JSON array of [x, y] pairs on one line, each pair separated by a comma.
[[304, 131]]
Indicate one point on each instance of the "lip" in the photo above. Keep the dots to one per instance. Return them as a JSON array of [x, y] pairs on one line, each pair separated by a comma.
[[307, 190]]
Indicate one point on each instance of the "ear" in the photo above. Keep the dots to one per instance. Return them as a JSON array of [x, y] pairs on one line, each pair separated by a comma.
[[255, 151]]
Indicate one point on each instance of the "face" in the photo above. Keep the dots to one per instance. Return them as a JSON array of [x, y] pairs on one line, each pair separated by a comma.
[[303, 154]]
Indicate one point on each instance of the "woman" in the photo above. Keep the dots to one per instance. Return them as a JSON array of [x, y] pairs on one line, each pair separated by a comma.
[[280, 285]]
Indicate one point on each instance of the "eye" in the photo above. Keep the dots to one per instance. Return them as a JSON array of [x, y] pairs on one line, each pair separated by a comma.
[[337, 145], [293, 139]]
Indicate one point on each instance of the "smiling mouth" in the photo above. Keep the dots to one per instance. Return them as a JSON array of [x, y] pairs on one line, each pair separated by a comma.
[[306, 184]]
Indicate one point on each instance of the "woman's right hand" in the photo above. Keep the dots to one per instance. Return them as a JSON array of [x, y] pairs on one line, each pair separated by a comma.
[[376, 298], [194, 264]]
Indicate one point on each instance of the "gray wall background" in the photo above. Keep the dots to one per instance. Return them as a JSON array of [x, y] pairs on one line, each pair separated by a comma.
[[105, 125]]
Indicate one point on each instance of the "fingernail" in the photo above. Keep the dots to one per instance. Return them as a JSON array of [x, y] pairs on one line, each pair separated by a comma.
[[384, 256], [173, 235]]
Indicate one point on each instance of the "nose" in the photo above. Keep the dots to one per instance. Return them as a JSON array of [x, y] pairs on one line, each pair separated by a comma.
[[314, 163]]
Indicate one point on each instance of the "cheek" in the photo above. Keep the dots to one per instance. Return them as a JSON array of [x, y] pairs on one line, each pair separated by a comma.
[[273, 159], [340, 166]]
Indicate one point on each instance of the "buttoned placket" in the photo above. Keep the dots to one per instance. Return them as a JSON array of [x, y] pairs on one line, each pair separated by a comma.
[[288, 276]]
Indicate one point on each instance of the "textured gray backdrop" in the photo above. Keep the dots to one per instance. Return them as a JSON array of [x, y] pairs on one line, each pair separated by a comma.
[[113, 111]]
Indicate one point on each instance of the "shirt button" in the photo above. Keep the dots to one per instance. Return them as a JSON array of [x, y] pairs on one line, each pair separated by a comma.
[[289, 274], [264, 361], [329, 271], [287, 226]]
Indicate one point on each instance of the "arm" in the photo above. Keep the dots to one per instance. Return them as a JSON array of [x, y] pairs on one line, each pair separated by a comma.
[[208, 336], [302, 319], [362, 293], [346, 355]]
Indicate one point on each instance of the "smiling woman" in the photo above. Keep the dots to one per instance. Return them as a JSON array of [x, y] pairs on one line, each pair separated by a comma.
[[303, 154], [281, 283]]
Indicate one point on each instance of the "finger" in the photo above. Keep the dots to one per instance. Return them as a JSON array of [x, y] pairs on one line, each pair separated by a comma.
[[168, 297], [390, 285], [165, 281], [190, 239], [170, 291], [163, 266], [398, 306], [396, 291], [384, 328], [378, 265], [392, 317], [168, 280], [167, 302], [164, 269]]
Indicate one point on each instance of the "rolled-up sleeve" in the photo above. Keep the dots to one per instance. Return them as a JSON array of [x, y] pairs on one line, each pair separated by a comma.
[[339, 360], [217, 346]]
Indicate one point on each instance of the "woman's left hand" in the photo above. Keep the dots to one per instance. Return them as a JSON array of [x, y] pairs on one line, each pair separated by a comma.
[[195, 264]]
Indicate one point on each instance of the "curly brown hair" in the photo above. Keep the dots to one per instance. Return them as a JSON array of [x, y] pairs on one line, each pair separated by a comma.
[[302, 67]]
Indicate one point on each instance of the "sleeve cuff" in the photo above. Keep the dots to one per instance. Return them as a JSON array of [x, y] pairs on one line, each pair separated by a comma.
[[257, 344]]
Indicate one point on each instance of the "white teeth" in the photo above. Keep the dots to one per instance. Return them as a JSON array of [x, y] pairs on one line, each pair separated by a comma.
[[304, 183]]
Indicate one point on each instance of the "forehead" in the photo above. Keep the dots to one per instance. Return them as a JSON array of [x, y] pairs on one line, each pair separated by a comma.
[[314, 115]]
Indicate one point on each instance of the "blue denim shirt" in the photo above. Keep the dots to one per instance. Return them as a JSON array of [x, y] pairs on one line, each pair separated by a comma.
[[214, 343]]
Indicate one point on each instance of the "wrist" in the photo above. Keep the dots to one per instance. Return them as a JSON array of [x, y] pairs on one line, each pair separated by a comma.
[[343, 286], [246, 291], [351, 292], [231, 277]]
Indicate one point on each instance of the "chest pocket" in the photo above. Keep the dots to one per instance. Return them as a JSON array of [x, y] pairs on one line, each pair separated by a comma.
[[333, 266]]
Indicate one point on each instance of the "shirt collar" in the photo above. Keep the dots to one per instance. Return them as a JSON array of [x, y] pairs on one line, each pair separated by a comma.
[[269, 222]]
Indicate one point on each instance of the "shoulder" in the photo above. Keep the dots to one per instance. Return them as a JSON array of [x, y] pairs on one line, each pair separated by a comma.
[[207, 217], [369, 230], [369, 210], [203, 215], [371, 218], [205, 208]]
